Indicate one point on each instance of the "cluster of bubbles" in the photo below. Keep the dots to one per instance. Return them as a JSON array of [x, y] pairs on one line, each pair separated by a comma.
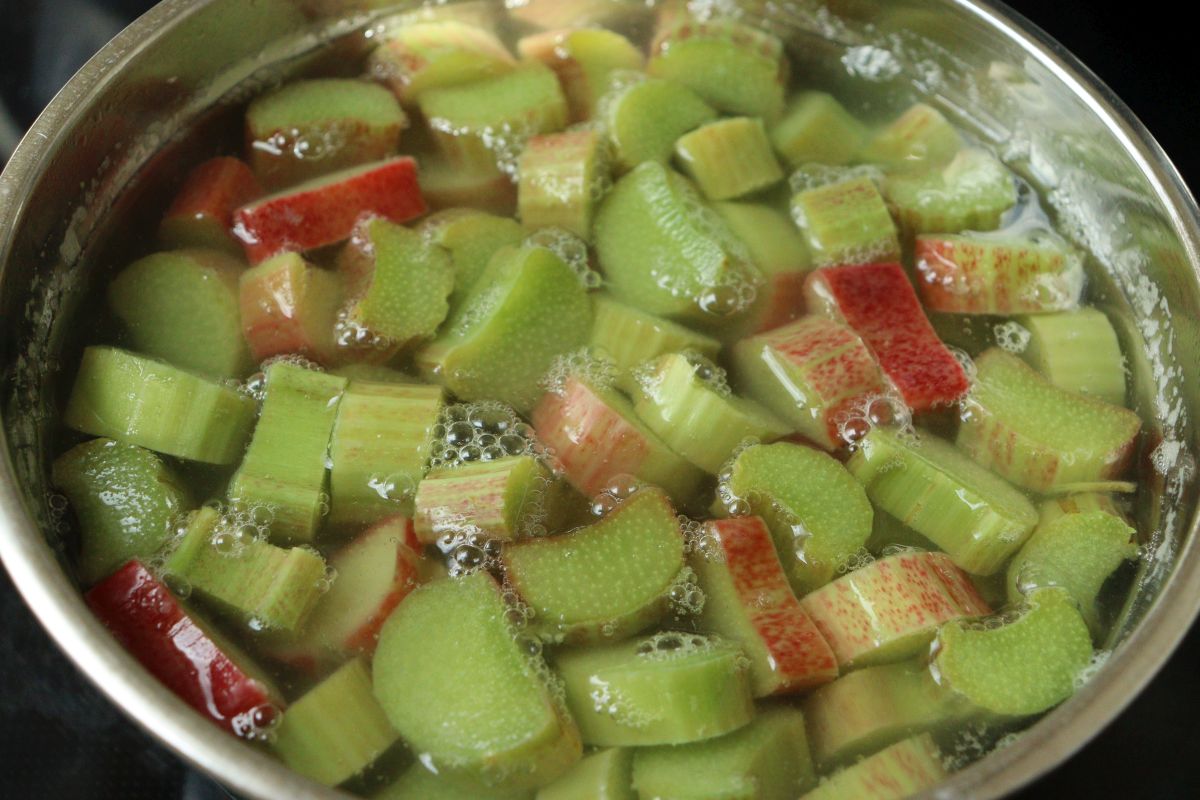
[[255, 386], [673, 644], [966, 362], [238, 527], [685, 597], [594, 369], [504, 142], [571, 249], [467, 433], [876, 410], [56, 508], [1012, 336], [1171, 456], [619, 489], [349, 334], [855, 561], [971, 742], [300, 145], [735, 505], [1097, 662], [397, 487], [259, 724], [814, 176], [900, 550], [465, 546], [699, 539]]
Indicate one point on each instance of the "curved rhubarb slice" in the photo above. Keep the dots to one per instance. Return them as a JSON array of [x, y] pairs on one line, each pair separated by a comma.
[[818, 514], [880, 304], [202, 213], [817, 129], [183, 651], [890, 609], [748, 600], [1022, 667], [670, 688], [1038, 435], [846, 222], [584, 60], [919, 138], [935, 489], [137, 400], [418, 783], [902, 770], [431, 55], [1077, 351], [604, 775], [563, 176], [472, 237], [973, 192], [645, 117], [729, 158], [496, 499], [496, 719], [766, 760], [325, 210], [605, 581], [289, 307], [630, 337]]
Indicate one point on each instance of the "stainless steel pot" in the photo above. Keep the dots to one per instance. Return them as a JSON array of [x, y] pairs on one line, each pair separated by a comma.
[[105, 146]]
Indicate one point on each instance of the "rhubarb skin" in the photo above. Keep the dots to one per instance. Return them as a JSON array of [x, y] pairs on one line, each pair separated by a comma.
[[180, 649], [202, 213], [902, 770], [583, 59], [880, 304], [325, 211], [289, 307]]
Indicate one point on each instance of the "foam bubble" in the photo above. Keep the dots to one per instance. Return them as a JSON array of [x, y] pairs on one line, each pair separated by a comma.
[[571, 249], [486, 431], [1012, 336], [595, 369]]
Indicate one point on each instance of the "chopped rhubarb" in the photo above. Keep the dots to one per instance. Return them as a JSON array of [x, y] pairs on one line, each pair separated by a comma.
[[202, 213], [289, 307]]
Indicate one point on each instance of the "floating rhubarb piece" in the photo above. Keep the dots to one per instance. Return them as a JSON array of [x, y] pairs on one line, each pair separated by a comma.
[[312, 128], [1077, 351], [879, 303], [447, 187], [749, 601], [418, 783], [472, 237], [630, 337], [891, 609], [670, 688], [919, 138], [605, 581], [973, 192], [289, 307], [202, 213], [431, 55], [729, 158], [151, 404], [495, 718], [645, 117], [766, 760], [584, 60], [1038, 435], [325, 211], [184, 652], [846, 222], [780, 254], [494, 499], [902, 770], [604, 775], [563, 176], [817, 129]]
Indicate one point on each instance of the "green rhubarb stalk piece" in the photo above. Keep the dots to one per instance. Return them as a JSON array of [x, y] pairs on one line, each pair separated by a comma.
[[604, 775], [562, 179], [1040, 436], [605, 581], [336, 730], [669, 688], [729, 158], [379, 450], [418, 783], [973, 192], [890, 609], [697, 415], [1019, 667], [456, 682], [818, 514], [472, 237], [846, 222], [920, 138], [1077, 351], [266, 586], [125, 498], [431, 55], [630, 337], [645, 117], [446, 186], [1080, 503], [701, 272], [527, 309], [285, 465], [289, 307], [935, 489], [316, 127], [902, 770], [182, 307], [766, 760], [373, 373], [497, 499], [584, 60], [817, 129], [780, 253], [141, 401]]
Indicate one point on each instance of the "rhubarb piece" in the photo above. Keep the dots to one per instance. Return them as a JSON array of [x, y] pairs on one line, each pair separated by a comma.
[[432, 55], [182, 307], [202, 213], [140, 401], [126, 500], [285, 467], [266, 586], [766, 760], [1038, 435], [846, 222], [645, 117], [749, 601], [496, 499], [312, 128], [701, 271], [447, 187], [596, 436], [584, 60], [183, 651], [288, 307], [630, 337], [734, 67], [1023, 666], [973, 192], [935, 489], [528, 308], [1077, 351], [920, 138], [495, 718], [373, 373], [1083, 503], [809, 373], [604, 775], [398, 283], [670, 688], [336, 730], [325, 210], [562, 180], [890, 609], [879, 303], [816, 128], [902, 770], [605, 581], [697, 416], [472, 237], [477, 13], [818, 514], [552, 14], [780, 254], [418, 783], [729, 158], [978, 275]]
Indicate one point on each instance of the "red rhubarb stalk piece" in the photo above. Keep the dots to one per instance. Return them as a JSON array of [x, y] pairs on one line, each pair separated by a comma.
[[202, 213], [289, 306]]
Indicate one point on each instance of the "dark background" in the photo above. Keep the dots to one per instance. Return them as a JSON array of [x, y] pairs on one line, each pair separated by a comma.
[[60, 739]]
